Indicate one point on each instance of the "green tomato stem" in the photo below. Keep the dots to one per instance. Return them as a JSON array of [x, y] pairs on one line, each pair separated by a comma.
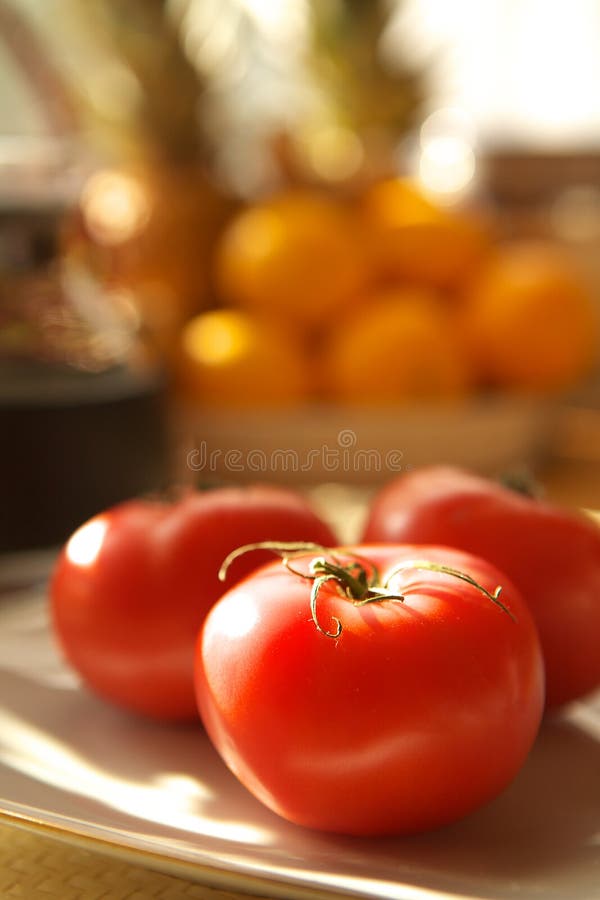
[[354, 581], [429, 566]]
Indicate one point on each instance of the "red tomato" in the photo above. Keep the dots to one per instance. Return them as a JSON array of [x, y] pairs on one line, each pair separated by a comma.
[[132, 586], [378, 717], [552, 556]]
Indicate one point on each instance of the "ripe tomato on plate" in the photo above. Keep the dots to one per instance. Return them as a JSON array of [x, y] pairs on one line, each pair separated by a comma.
[[551, 554], [131, 587], [345, 708]]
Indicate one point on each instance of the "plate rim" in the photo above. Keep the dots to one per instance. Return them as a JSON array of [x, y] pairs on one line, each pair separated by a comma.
[[216, 877], [210, 876]]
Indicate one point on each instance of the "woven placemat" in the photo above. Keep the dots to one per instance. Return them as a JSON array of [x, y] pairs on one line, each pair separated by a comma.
[[36, 867]]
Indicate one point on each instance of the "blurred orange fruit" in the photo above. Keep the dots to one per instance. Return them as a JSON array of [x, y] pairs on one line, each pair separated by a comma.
[[529, 320], [229, 359], [296, 257], [415, 240], [398, 347]]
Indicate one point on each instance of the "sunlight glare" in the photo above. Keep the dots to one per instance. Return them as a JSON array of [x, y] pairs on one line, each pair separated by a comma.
[[447, 161], [234, 620], [281, 22], [29, 750], [85, 545], [115, 207], [447, 165]]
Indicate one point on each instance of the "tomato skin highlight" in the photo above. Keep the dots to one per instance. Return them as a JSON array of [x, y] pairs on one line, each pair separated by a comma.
[[419, 712], [552, 556], [131, 588]]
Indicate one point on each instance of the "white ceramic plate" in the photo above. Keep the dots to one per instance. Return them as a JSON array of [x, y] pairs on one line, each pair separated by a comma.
[[161, 796]]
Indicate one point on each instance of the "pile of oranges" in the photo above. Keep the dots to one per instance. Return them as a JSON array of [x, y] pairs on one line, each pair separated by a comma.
[[391, 299]]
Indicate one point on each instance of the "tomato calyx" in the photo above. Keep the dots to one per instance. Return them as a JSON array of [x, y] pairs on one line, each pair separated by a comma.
[[352, 581], [357, 581]]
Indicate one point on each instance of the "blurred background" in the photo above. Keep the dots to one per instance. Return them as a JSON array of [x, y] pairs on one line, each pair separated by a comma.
[[237, 234]]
